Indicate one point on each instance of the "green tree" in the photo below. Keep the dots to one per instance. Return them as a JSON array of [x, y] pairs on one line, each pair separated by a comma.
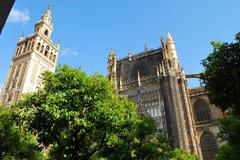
[[221, 75], [76, 115], [145, 142], [14, 142], [221, 78], [178, 154]]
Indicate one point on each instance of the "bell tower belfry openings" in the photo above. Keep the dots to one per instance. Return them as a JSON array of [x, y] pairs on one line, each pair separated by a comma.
[[34, 54]]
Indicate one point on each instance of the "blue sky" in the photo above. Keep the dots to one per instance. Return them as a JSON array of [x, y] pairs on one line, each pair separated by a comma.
[[88, 29]]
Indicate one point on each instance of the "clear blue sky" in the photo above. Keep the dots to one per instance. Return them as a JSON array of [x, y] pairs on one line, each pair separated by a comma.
[[88, 29]]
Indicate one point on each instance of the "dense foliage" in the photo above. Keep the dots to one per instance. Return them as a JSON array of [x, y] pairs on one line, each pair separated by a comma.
[[77, 116], [15, 144], [222, 75], [221, 78], [230, 133]]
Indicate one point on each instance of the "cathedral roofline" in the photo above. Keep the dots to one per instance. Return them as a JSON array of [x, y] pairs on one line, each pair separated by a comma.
[[141, 54]]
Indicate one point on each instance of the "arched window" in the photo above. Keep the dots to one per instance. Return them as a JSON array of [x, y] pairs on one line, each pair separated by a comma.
[[51, 56], [46, 32], [54, 58], [38, 46], [201, 110], [42, 49], [46, 51], [208, 145], [25, 47], [29, 45]]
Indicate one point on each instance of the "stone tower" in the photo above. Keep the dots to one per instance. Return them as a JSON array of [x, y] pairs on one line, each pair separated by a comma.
[[34, 54], [155, 81]]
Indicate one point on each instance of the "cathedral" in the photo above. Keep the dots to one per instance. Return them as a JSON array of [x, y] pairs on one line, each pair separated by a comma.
[[34, 54], [156, 82], [153, 79]]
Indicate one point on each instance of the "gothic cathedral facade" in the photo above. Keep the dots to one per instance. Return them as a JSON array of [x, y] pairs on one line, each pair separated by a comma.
[[156, 82], [34, 54]]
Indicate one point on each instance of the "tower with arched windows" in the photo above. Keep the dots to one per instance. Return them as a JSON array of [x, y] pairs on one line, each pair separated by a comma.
[[34, 54]]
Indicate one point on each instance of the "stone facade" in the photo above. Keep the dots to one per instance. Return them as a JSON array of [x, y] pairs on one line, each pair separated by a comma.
[[156, 82], [206, 121], [34, 54], [5, 8]]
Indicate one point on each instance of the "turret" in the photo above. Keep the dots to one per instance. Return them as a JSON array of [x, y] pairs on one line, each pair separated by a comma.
[[112, 66], [170, 54]]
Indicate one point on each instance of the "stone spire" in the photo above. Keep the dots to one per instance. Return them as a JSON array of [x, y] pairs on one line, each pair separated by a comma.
[[112, 66], [170, 54], [171, 46], [164, 48], [44, 25]]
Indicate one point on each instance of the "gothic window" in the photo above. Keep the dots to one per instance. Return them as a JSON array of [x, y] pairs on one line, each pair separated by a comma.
[[13, 84], [54, 58], [46, 51], [208, 145], [42, 49], [29, 45], [46, 32], [201, 109], [25, 47], [9, 98], [17, 71], [51, 56], [38, 46]]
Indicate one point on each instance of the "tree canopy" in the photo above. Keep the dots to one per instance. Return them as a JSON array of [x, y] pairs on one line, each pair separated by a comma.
[[15, 143], [80, 116], [221, 78], [221, 75]]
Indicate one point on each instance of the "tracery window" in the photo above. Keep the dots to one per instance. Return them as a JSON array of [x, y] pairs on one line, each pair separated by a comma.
[[208, 145], [201, 109]]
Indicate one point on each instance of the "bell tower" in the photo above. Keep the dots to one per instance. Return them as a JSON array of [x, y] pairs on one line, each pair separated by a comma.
[[34, 54], [44, 26]]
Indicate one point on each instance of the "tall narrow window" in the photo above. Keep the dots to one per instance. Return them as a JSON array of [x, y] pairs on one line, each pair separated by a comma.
[[201, 110], [42, 49], [208, 145], [25, 47], [51, 56], [38, 46], [54, 58], [46, 51], [46, 32]]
